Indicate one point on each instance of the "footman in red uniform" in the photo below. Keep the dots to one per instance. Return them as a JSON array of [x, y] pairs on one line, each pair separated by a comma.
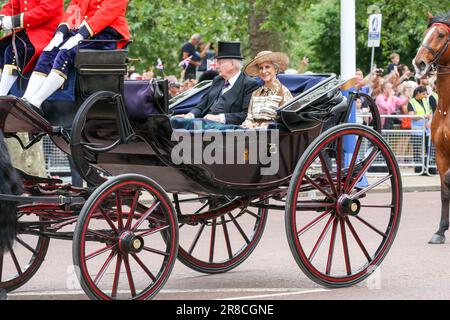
[[83, 19], [30, 25]]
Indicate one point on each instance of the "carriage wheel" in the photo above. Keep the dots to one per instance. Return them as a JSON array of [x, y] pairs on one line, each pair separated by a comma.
[[23, 261], [340, 220], [218, 245], [119, 250]]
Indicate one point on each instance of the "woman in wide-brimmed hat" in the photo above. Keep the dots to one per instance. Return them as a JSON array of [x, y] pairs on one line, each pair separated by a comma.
[[272, 95]]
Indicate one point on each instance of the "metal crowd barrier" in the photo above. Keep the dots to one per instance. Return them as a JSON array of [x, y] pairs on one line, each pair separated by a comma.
[[56, 161], [409, 145]]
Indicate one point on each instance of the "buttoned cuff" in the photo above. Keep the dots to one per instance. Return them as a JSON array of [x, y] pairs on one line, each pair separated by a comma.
[[63, 28], [222, 118], [85, 30], [17, 20]]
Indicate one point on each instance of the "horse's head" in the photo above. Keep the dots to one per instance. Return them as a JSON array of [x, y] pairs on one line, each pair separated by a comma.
[[434, 49]]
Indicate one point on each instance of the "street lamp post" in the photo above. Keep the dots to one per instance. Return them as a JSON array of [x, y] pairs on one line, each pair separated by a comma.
[[348, 39]]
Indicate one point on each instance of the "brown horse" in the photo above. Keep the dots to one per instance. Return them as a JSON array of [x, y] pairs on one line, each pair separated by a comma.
[[434, 54]]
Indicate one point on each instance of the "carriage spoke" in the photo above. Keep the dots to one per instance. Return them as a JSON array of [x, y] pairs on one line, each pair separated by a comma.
[[332, 243], [384, 235], [16, 262], [213, 241], [99, 252], [119, 210], [252, 214], [105, 266], [148, 272], [363, 171], [239, 228], [197, 237], [339, 164], [351, 167], [153, 231], [129, 276], [116, 276], [314, 222], [132, 210], [108, 220], [162, 253], [327, 173], [345, 247], [322, 190], [227, 238], [100, 235], [146, 215], [320, 240], [24, 244], [1, 266], [371, 187], [315, 204], [358, 240]]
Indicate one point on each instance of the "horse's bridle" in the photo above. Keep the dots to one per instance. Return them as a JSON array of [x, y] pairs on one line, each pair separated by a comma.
[[438, 55]]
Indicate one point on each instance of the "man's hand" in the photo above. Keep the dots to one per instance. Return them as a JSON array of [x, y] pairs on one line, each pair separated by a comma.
[[72, 42], [211, 117], [185, 116], [56, 41]]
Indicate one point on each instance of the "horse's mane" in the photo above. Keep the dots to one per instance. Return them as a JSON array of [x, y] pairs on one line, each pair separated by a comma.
[[440, 18]]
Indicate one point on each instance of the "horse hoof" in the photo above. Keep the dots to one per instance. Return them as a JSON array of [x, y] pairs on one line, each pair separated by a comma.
[[437, 239]]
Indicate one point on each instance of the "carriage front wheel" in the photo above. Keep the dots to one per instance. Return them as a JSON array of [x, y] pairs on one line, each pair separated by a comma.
[[344, 205], [126, 240]]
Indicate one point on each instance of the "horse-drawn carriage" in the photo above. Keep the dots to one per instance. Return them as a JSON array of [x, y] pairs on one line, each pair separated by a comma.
[[148, 203]]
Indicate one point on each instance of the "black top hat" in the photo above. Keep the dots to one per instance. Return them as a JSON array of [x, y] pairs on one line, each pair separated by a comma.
[[229, 50]]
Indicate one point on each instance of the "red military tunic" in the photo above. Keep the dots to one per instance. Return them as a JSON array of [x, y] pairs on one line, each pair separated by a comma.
[[92, 16], [39, 18]]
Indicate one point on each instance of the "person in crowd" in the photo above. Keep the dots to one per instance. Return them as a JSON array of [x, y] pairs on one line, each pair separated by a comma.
[[266, 101], [83, 20], [433, 98], [29, 26], [420, 108], [228, 100], [188, 84], [207, 53], [303, 65], [190, 58], [388, 104], [174, 89], [395, 61], [149, 74]]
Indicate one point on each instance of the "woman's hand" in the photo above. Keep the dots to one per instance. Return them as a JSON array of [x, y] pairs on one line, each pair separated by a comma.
[[247, 125]]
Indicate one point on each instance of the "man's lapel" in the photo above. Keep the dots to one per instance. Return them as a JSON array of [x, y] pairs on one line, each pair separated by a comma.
[[230, 96]]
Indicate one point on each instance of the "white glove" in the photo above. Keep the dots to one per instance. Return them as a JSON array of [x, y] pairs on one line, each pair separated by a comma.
[[56, 41], [72, 42], [7, 24]]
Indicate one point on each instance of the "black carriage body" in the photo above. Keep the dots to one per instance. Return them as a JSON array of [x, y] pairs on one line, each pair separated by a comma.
[[144, 146]]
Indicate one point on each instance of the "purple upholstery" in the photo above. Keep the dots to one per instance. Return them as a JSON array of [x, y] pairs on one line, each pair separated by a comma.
[[139, 101]]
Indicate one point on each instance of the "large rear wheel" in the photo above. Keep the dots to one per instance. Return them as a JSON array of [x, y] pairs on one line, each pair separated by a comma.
[[340, 220]]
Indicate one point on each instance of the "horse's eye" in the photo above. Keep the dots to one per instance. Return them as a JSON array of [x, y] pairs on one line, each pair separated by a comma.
[[441, 35]]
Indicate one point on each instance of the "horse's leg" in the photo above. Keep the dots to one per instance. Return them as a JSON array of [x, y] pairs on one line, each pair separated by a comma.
[[439, 236]]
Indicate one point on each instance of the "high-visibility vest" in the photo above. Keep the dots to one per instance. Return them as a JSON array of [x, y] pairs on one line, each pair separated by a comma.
[[435, 96], [420, 111]]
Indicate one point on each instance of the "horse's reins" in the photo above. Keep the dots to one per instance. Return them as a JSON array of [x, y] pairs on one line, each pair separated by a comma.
[[438, 55]]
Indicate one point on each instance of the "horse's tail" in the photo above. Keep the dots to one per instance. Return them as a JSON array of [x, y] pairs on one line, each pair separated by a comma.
[[9, 184]]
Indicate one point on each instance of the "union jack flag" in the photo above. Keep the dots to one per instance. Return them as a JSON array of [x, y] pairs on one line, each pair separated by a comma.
[[212, 65], [185, 63], [160, 65]]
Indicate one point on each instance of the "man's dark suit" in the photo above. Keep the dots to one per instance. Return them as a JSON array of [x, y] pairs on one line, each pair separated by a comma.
[[234, 103]]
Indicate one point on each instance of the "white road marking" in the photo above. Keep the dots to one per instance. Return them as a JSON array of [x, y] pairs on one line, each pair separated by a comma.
[[275, 295], [280, 292]]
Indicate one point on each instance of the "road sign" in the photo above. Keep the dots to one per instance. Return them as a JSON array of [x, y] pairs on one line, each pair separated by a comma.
[[375, 22]]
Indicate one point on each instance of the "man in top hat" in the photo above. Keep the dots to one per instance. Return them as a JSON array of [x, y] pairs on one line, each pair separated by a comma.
[[227, 101]]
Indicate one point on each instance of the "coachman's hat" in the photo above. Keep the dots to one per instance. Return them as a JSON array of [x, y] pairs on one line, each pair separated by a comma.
[[229, 50]]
